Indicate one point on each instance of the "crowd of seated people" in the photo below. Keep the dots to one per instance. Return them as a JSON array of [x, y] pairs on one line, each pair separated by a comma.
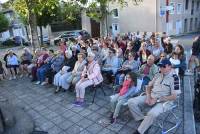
[[77, 64]]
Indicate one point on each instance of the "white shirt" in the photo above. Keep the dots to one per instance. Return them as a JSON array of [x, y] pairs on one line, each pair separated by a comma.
[[175, 62], [12, 60]]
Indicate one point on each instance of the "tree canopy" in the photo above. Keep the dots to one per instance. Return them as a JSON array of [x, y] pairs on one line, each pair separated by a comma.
[[4, 23]]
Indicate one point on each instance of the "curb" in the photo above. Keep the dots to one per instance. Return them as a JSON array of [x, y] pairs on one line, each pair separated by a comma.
[[189, 122]]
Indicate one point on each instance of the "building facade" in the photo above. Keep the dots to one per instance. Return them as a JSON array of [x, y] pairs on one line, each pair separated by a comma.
[[175, 17], [172, 16]]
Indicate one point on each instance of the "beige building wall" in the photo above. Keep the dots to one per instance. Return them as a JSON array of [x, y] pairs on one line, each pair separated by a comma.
[[133, 18], [146, 17]]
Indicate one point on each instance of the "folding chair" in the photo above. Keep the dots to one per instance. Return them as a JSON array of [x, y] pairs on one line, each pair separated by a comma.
[[170, 110], [94, 88]]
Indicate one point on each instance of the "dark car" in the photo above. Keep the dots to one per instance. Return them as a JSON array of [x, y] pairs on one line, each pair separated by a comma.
[[72, 34], [16, 41], [46, 39]]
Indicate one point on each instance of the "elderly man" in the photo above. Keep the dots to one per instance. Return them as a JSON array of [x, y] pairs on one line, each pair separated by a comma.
[[164, 87], [148, 70]]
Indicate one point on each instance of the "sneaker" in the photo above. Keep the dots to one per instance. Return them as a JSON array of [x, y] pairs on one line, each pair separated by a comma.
[[37, 83], [21, 75], [14, 77], [10, 78], [44, 83], [113, 120], [80, 104], [76, 103], [57, 90]]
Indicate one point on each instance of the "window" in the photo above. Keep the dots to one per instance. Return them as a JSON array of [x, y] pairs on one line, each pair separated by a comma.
[[192, 9], [198, 2], [179, 8], [186, 4], [196, 23], [173, 5], [191, 23], [115, 13], [185, 25]]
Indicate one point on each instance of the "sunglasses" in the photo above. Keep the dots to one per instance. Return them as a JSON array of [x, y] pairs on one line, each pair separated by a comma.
[[162, 66]]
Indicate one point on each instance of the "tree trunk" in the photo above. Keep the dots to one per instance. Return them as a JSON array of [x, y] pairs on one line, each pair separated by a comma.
[[27, 33], [41, 36], [34, 33], [102, 28], [103, 21], [33, 24]]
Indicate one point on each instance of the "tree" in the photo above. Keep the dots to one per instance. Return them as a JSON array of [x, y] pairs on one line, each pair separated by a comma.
[[34, 11], [4, 23]]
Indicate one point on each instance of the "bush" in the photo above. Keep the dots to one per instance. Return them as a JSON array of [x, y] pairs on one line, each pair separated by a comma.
[[8, 42]]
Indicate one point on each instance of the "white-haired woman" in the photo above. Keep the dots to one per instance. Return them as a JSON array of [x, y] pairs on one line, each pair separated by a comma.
[[26, 59], [91, 75], [62, 75], [75, 75]]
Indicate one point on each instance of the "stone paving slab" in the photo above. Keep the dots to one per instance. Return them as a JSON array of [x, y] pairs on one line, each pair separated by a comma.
[[56, 114]]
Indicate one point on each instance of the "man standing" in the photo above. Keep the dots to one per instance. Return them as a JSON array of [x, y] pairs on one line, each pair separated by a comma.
[[164, 87]]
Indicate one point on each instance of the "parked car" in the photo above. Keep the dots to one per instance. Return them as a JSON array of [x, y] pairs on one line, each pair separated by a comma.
[[72, 34], [46, 39], [16, 41]]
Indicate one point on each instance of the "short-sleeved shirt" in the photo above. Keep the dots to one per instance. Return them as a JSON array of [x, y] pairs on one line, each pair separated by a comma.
[[165, 85]]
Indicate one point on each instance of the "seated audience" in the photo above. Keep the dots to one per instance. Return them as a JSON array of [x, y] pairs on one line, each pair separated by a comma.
[[128, 89], [164, 87], [91, 75]]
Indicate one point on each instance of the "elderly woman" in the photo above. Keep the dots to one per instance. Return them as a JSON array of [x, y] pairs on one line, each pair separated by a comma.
[[26, 59], [41, 72], [75, 75], [91, 75], [128, 66], [12, 64], [111, 65], [56, 65], [61, 77]]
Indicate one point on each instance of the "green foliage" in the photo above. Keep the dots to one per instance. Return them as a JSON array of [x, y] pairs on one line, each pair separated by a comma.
[[45, 10], [4, 23], [71, 11]]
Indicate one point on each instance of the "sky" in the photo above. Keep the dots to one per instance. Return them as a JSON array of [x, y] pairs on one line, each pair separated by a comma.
[[3, 1]]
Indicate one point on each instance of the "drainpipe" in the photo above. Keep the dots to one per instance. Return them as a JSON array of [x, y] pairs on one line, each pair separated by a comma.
[[167, 12]]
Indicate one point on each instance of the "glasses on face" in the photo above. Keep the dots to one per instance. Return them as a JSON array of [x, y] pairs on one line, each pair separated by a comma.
[[162, 56]]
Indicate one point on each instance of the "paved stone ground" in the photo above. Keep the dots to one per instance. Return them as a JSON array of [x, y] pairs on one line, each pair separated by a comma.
[[57, 115]]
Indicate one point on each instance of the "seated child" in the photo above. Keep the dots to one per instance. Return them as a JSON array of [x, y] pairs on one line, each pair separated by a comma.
[[175, 61], [128, 89]]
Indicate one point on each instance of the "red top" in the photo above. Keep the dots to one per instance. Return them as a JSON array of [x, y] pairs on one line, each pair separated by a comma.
[[125, 87]]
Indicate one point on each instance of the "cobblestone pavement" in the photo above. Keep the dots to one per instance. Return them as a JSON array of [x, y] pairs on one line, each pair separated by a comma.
[[56, 114]]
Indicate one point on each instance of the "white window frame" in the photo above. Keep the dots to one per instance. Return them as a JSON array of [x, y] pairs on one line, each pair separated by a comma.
[[172, 11], [179, 10], [117, 13]]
